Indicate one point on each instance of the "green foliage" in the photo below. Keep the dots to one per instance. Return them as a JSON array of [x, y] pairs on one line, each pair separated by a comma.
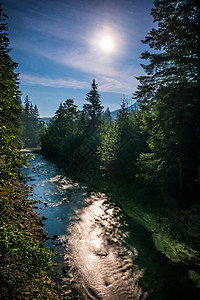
[[170, 94], [62, 134], [194, 277], [10, 107], [120, 146], [108, 146], [21, 253], [20, 245]]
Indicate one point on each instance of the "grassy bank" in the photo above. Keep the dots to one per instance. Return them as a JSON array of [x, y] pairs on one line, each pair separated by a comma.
[[25, 263]]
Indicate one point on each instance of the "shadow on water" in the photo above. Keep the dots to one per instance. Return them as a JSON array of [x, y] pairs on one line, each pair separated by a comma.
[[101, 251]]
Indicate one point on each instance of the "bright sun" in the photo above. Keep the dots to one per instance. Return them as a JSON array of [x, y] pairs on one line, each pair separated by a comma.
[[107, 44]]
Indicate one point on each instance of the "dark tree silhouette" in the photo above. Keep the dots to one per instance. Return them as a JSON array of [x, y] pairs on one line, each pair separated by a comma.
[[32, 127], [107, 116], [10, 107], [171, 92], [94, 109]]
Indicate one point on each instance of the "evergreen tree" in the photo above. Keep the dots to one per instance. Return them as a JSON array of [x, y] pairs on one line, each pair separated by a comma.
[[82, 121], [61, 130], [94, 109], [121, 142], [171, 92], [36, 113], [65, 117], [31, 109], [123, 114], [9, 105], [107, 116], [27, 104], [71, 113], [32, 127], [177, 40]]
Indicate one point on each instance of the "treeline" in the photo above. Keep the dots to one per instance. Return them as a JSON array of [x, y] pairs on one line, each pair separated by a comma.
[[89, 142], [157, 146], [31, 128], [23, 261], [69, 128]]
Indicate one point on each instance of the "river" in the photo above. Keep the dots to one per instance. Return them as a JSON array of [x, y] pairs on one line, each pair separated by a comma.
[[101, 252]]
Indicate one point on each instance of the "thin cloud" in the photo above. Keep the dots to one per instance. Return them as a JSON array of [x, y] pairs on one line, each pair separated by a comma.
[[105, 84], [119, 86], [114, 76], [56, 83]]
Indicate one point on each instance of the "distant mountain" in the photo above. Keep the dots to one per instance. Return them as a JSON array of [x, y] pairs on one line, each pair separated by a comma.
[[45, 120], [132, 107]]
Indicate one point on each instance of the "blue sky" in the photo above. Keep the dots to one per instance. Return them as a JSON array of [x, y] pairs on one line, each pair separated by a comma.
[[62, 45]]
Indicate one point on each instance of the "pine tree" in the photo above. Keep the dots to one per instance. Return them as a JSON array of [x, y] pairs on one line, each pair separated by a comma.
[[64, 119], [94, 109], [123, 115], [70, 111], [62, 133], [171, 93], [177, 40], [27, 104], [9, 105], [31, 125], [31, 109], [107, 116], [36, 113]]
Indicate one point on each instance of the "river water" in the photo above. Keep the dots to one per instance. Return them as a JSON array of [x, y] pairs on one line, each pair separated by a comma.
[[101, 253]]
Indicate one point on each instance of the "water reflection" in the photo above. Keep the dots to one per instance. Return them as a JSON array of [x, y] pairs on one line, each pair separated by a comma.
[[106, 268]]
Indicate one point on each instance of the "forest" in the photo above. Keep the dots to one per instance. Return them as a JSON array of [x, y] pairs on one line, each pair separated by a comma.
[[147, 159]]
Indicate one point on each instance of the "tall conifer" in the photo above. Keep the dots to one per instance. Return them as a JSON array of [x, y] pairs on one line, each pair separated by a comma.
[[94, 109], [9, 104], [170, 90]]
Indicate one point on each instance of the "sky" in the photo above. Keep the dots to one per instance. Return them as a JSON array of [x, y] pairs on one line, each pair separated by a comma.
[[61, 45]]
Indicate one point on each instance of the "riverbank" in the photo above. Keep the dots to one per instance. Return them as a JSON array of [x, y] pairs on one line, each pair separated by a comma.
[[24, 262], [175, 230]]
